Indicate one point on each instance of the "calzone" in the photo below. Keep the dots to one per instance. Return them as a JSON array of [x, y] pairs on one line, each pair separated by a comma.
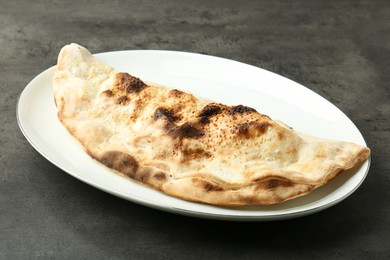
[[188, 147]]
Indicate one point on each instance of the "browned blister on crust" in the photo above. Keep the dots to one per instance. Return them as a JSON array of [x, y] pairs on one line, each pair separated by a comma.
[[188, 147]]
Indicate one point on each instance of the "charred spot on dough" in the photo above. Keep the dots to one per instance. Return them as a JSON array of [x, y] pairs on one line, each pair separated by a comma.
[[249, 200], [262, 127], [206, 185], [209, 111], [181, 96], [176, 93], [248, 130], [149, 176], [187, 130], [190, 154], [161, 176], [170, 128], [128, 83], [273, 183], [243, 129], [108, 93], [123, 100], [240, 109], [142, 175], [161, 112], [120, 161]]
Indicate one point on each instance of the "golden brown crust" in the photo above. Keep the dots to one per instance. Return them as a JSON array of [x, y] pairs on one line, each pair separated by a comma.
[[187, 147]]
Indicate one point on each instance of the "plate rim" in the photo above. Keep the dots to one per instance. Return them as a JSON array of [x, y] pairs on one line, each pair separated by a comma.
[[181, 211]]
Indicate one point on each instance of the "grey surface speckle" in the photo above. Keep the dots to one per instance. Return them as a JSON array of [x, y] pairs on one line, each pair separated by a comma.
[[339, 49]]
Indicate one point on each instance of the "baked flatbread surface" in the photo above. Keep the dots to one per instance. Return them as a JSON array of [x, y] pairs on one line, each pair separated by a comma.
[[187, 147]]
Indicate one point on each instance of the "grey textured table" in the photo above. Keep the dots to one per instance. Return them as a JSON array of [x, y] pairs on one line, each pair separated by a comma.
[[339, 49]]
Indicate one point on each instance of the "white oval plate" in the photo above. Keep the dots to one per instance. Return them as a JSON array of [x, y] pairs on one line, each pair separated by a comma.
[[218, 79]]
